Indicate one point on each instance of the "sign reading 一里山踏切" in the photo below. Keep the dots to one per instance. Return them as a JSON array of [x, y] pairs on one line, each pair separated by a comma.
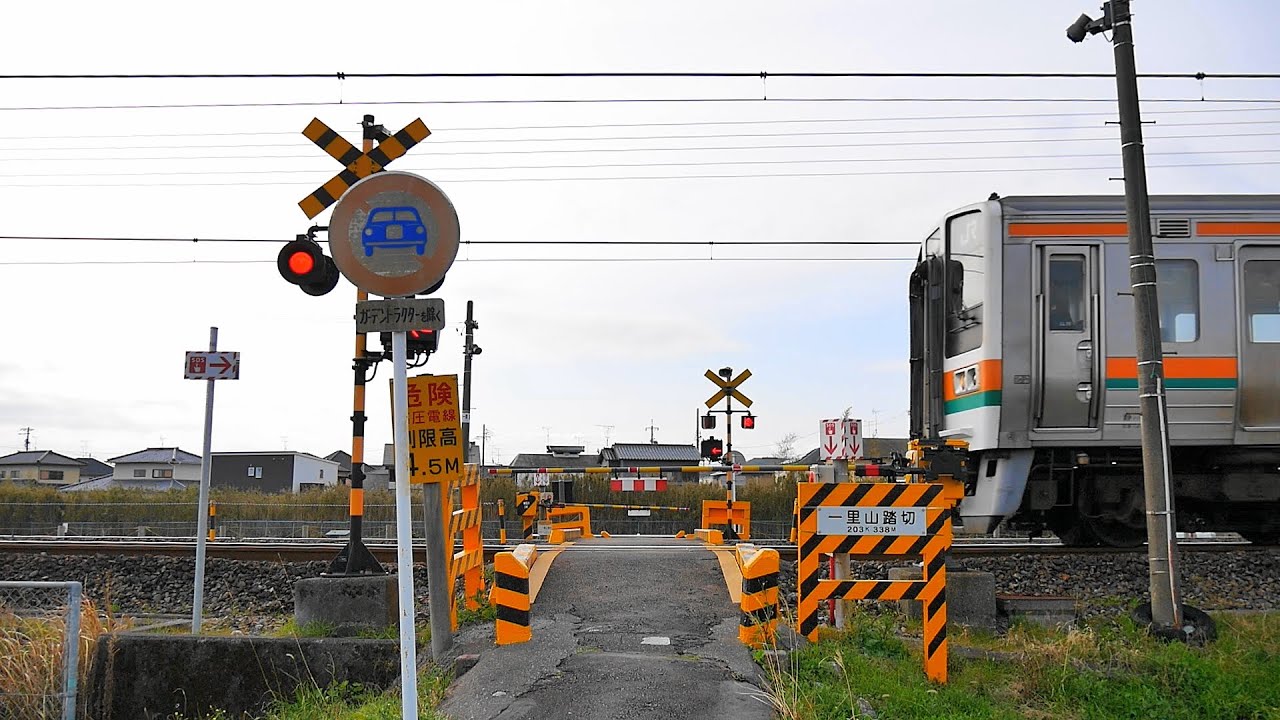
[[871, 521], [435, 429], [399, 315]]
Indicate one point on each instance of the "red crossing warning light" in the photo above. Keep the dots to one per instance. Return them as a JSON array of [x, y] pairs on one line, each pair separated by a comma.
[[304, 264], [748, 422]]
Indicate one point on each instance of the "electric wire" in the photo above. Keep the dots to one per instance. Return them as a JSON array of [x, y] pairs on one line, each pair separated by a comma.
[[763, 74], [669, 243], [607, 101], [473, 260], [691, 123]]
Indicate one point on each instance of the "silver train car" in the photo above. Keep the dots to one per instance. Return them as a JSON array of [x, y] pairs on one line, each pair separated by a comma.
[[1022, 344]]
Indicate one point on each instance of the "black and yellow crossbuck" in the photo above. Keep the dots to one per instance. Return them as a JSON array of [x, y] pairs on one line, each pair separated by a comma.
[[931, 547], [358, 165]]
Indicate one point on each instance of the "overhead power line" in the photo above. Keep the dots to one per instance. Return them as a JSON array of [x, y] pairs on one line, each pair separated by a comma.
[[636, 243], [605, 101], [763, 74], [480, 260]]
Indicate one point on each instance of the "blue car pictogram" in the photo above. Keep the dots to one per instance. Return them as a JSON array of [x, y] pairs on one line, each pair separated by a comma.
[[394, 227]]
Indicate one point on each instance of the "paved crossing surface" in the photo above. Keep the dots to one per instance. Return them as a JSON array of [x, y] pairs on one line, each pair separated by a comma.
[[642, 634]]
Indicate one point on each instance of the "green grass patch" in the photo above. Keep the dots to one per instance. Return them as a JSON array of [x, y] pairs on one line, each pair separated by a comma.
[[1105, 669]]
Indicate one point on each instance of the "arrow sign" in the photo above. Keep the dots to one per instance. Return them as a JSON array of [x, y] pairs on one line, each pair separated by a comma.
[[840, 439], [203, 365]]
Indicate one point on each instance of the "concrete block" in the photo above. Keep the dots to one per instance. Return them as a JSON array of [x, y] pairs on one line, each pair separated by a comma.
[[971, 596], [153, 676], [1049, 611], [365, 601]]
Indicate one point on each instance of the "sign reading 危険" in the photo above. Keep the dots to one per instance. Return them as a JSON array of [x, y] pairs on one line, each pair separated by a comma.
[[435, 429]]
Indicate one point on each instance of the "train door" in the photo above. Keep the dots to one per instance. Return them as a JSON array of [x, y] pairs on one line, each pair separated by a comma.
[[1259, 337], [1067, 332]]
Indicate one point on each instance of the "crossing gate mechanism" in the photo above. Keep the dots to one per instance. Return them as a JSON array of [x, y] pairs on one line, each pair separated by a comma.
[[875, 521]]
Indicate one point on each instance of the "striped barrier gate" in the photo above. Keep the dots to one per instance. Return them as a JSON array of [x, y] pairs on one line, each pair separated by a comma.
[[462, 516], [511, 594], [758, 622], [877, 520]]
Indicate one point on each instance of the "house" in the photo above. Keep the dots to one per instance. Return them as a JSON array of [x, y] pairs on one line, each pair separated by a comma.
[[94, 468], [556, 456], [40, 467], [170, 468], [344, 465], [282, 471], [625, 455]]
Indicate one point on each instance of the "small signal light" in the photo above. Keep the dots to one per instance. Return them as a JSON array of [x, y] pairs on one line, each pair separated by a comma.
[[748, 422], [301, 263], [304, 264]]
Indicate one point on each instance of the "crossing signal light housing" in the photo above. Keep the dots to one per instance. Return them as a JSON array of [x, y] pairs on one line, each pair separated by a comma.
[[713, 448], [708, 422], [416, 342], [304, 264], [748, 422]]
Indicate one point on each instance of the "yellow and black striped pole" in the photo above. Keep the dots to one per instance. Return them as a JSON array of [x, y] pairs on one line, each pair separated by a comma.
[[355, 558], [758, 622], [511, 594], [213, 521], [502, 522]]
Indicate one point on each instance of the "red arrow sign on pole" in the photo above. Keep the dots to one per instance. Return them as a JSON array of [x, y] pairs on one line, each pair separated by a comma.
[[224, 363]]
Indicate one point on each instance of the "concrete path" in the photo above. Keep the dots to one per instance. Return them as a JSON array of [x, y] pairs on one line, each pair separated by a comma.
[[619, 635]]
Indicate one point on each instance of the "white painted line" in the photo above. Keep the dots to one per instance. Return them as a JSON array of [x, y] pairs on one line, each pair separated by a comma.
[[656, 640]]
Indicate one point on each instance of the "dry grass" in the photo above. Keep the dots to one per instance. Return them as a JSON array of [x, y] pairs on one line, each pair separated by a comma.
[[31, 653]]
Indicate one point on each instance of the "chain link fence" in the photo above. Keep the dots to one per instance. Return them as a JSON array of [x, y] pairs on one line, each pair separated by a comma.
[[40, 646]]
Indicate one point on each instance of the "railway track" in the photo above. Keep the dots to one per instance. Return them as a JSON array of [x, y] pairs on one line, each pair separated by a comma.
[[301, 551]]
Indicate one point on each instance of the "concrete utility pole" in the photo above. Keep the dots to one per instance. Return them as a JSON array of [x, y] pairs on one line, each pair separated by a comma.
[[26, 440], [1166, 601], [469, 349]]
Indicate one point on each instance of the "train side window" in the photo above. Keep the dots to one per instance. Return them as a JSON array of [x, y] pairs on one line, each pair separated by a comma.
[[1262, 300], [1178, 287], [964, 282], [1066, 293]]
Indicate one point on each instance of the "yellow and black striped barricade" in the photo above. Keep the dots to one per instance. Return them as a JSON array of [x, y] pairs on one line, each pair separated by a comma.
[[717, 513], [571, 517], [463, 517], [527, 509], [511, 594], [758, 622], [877, 520]]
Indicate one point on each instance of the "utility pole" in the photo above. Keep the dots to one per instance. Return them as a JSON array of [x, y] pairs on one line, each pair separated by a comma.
[[651, 429], [469, 349], [608, 430], [1162, 558], [26, 441]]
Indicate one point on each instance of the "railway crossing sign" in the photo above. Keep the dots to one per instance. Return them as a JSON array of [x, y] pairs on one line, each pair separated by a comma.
[[358, 165], [840, 439], [729, 388], [435, 431], [212, 365], [394, 234]]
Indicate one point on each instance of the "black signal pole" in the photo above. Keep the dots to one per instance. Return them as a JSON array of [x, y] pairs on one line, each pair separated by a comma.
[[1166, 601]]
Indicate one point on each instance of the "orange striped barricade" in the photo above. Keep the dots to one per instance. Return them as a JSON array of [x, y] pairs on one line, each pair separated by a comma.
[[758, 623], [570, 517], [511, 594], [715, 513], [877, 520], [462, 516]]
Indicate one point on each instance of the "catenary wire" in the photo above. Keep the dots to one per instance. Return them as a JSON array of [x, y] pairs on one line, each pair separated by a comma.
[[476, 260], [763, 74], [675, 243]]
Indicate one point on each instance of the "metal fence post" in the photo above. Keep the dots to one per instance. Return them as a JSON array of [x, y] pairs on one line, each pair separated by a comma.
[[71, 652]]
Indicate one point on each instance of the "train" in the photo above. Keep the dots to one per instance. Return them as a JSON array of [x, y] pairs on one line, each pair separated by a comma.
[[1022, 345]]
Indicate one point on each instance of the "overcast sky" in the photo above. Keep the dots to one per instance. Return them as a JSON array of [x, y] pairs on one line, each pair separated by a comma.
[[576, 348]]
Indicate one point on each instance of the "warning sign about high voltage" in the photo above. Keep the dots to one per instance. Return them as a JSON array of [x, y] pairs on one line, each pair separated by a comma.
[[435, 429]]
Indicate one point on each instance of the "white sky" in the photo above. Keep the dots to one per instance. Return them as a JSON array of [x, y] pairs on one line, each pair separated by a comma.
[[92, 353]]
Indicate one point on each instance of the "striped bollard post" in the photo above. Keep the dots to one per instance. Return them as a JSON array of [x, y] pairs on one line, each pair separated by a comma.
[[758, 622], [511, 594], [213, 520], [502, 522]]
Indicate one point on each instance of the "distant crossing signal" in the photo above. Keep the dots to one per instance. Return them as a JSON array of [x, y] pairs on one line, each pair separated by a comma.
[[708, 422], [304, 264], [713, 448], [416, 342]]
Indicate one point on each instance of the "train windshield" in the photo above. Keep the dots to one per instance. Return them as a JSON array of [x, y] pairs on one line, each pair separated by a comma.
[[965, 282]]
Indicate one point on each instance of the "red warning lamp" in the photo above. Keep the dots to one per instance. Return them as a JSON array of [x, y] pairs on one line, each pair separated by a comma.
[[712, 448], [417, 342], [748, 422], [304, 264]]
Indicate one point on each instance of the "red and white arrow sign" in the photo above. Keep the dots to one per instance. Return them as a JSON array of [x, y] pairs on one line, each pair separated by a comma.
[[212, 366], [840, 439]]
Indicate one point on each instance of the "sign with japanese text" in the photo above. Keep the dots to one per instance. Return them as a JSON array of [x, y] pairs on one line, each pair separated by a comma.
[[435, 429], [871, 521], [399, 315]]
